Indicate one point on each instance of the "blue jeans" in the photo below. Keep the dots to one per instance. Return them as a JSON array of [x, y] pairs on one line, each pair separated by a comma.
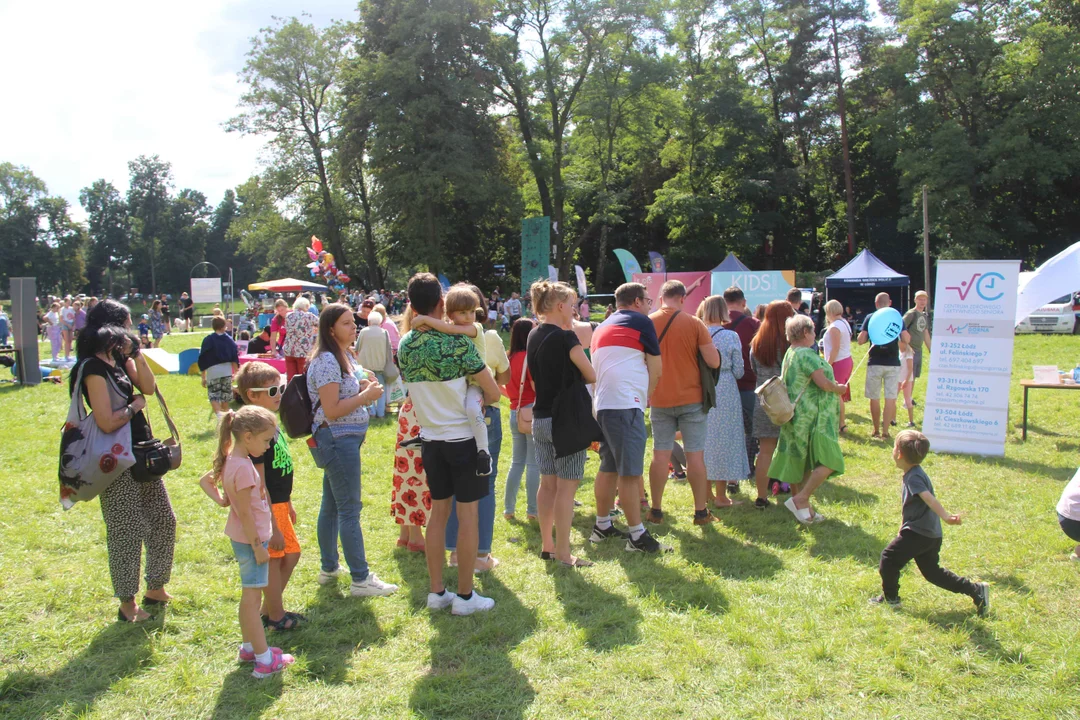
[[339, 459], [524, 460], [378, 408], [486, 504]]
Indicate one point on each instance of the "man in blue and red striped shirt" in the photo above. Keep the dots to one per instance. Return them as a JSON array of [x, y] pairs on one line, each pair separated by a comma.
[[626, 356]]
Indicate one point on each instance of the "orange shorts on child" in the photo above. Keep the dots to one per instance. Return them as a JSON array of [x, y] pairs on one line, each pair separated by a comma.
[[284, 523]]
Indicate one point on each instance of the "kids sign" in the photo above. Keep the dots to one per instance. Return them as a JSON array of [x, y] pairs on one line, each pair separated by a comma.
[[967, 396], [760, 287]]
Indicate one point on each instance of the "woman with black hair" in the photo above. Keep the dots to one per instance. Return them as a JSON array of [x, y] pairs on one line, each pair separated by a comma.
[[522, 396], [135, 513]]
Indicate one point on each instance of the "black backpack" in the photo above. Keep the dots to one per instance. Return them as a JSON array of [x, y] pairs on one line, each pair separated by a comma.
[[297, 413]]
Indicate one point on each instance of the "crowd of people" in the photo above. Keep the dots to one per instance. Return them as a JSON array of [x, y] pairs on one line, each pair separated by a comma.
[[573, 386]]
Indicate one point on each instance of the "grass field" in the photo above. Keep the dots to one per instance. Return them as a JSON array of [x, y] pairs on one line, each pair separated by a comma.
[[753, 617]]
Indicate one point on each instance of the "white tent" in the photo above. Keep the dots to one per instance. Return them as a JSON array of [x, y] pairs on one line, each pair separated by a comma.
[[1060, 275]]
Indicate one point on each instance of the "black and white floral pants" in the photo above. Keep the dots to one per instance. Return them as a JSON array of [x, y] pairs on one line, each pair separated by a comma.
[[138, 514]]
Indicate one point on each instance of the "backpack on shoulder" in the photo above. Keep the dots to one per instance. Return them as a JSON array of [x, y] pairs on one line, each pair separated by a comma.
[[775, 401], [296, 411]]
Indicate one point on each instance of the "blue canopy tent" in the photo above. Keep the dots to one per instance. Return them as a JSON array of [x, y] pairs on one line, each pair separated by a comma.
[[862, 278], [731, 264]]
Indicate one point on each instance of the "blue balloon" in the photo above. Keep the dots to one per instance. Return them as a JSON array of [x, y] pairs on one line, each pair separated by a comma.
[[885, 326]]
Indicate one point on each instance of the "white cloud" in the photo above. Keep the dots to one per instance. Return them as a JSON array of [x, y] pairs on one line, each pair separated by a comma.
[[90, 86]]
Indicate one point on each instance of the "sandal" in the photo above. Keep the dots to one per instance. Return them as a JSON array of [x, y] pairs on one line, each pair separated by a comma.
[[152, 602], [402, 543], [287, 622], [577, 562], [843, 429], [729, 503], [417, 548], [121, 617]]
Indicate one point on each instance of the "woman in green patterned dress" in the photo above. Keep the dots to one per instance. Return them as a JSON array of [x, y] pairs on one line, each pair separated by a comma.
[[809, 448]]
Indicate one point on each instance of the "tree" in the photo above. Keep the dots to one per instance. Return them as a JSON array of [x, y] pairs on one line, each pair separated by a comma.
[[37, 235], [148, 203], [109, 231], [543, 89], [275, 244], [419, 103], [291, 97]]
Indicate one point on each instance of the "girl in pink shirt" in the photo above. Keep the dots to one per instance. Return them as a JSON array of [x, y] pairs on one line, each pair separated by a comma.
[[245, 433]]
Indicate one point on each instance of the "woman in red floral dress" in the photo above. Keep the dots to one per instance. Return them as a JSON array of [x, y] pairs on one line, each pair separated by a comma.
[[410, 500]]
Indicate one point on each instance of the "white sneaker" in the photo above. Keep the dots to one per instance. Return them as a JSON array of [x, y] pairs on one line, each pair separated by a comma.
[[329, 577], [440, 602], [474, 604], [371, 586]]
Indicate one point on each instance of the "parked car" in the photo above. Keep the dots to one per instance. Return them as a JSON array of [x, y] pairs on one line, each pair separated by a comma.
[[1057, 317]]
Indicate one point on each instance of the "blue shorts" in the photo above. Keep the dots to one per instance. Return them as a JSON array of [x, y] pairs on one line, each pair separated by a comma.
[[252, 574], [622, 450]]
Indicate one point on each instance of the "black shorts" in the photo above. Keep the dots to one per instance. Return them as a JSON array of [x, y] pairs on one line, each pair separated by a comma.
[[188, 314], [450, 466]]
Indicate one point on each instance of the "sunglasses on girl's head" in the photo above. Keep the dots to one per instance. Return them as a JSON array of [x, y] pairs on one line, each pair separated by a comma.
[[270, 391]]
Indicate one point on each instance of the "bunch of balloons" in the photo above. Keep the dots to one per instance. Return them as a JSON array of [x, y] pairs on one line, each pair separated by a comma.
[[322, 263]]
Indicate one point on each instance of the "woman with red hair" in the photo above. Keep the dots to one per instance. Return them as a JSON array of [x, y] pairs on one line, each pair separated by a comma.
[[766, 355]]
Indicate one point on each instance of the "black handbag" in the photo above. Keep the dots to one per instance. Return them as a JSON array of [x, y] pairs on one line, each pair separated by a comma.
[[153, 457]]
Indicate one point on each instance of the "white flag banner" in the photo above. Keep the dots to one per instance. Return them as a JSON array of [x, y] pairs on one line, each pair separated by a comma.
[[967, 395]]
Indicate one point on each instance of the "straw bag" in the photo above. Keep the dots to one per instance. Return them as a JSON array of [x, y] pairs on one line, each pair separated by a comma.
[[775, 400]]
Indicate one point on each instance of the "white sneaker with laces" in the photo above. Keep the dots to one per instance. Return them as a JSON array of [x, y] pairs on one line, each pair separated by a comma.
[[371, 586], [329, 577], [440, 602], [476, 603]]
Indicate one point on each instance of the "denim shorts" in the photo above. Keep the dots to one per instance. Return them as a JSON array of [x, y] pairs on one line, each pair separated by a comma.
[[252, 574], [622, 450], [691, 420]]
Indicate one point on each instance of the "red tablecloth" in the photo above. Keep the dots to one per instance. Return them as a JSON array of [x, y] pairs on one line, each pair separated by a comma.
[[276, 363]]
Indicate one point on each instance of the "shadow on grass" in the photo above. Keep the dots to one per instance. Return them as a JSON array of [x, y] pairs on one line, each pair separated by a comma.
[[727, 557], [1054, 472], [836, 492], [978, 634], [337, 626], [471, 673], [608, 620], [678, 590], [834, 539], [243, 696], [119, 651], [1014, 583]]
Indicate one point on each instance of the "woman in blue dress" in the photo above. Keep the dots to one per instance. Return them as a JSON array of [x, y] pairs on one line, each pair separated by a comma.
[[725, 448]]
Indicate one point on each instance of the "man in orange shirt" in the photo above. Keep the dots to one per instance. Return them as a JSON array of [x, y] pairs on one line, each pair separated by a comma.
[[676, 402]]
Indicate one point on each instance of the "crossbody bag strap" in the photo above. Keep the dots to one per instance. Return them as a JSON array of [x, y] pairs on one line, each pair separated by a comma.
[[524, 372], [712, 336], [165, 411], [667, 327]]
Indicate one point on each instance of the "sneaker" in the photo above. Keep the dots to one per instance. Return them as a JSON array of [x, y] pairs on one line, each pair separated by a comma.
[[600, 535], [733, 488], [709, 518], [440, 602], [654, 516], [646, 543], [329, 577], [371, 586], [278, 662], [483, 463], [762, 504], [982, 598], [476, 603], [882, 600], [245, 656], [676, 475]]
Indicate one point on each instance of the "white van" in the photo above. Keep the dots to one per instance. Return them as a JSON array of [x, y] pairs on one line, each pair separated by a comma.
[[1055, 317]]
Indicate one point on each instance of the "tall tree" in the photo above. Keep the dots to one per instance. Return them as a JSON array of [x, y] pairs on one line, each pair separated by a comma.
[[291, 98], [434, 146], [109, 230], [543, 88], [148, 201]]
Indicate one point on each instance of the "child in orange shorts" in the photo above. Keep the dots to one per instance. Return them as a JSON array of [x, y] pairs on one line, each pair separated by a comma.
[[260, 384]]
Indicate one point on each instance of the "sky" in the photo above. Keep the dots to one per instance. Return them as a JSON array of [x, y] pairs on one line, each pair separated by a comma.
[[89, 86]]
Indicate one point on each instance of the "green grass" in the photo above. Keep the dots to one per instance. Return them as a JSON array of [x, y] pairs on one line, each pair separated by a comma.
[[754, 617]]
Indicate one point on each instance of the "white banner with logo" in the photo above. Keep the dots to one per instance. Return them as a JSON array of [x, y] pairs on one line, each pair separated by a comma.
[[206, 290], [967, 394]]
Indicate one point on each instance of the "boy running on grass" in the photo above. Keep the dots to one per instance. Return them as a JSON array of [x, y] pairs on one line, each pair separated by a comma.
[[920, 531]]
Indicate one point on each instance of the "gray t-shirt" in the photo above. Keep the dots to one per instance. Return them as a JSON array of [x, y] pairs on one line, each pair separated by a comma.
[[916, 323], [918, 516]]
